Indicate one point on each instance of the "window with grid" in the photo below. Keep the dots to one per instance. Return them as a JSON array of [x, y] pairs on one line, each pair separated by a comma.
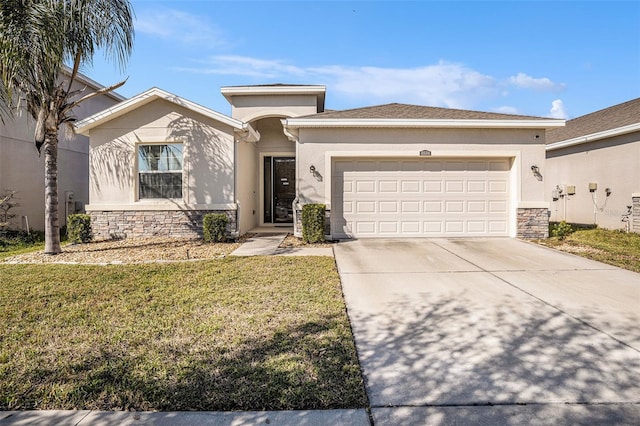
[[160, 171]]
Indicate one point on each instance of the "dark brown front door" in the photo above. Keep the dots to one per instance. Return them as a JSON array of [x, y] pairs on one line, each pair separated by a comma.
[[279, 189]]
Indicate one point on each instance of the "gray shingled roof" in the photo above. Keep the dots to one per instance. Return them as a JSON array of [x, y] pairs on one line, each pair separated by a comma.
[[606, 119], [416, 112]]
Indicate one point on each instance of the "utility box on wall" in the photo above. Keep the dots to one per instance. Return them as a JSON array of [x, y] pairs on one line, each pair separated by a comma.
[[593, 187], [571, 189]]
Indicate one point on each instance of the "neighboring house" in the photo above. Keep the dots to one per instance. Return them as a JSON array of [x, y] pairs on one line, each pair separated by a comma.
[[158, 163], [593, 167], [22, 170]]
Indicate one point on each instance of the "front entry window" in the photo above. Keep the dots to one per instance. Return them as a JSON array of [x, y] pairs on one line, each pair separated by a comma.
[[160, 171], [279, 189]]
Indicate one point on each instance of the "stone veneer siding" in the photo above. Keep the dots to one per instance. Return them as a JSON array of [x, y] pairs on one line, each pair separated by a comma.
[[297, 222], [166, 223], [635, 213], [533, 223]]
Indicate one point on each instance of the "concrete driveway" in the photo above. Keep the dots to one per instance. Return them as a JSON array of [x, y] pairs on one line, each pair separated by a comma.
[[492, 331]]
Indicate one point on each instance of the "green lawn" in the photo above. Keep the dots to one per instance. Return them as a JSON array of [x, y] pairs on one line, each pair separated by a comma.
[[230, 334], [612, 247]]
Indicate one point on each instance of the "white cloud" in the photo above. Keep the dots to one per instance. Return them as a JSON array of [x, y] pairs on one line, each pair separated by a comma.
[[443, 84], [245, 66], [446, 84], [543, 84], [557, 110], [177, 25]]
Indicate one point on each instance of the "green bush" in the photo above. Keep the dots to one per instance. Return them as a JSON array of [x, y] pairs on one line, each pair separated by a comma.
[[561, 230], [79, 228], [214, 227], [313, 218], [14, 239]]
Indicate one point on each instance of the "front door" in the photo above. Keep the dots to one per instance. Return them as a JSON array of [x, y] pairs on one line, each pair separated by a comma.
[[279, 189]]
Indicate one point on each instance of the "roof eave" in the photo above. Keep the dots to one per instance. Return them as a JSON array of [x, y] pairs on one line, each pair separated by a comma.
[[84, 126], [316, 90], [593, 137], [422, 123]]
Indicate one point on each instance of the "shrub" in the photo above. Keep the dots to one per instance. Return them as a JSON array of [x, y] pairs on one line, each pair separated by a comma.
[[14, 239], [561, 230], [79, 228], [313, 218], [214, 227]]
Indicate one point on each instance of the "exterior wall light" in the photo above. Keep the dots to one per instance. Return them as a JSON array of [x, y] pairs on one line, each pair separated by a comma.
[[312, 169], [535, 169]]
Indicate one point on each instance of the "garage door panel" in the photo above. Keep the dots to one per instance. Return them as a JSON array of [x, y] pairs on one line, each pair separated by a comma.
[[433, 186], [454, 186], [410, 186], [388, 207], [422, 197], [410, 206], [388, 228], [498, 206], [365, 186], [498, 186], [364, 207], [476, 227], [454, 206], [476, 206], [432, 207], [388, 186], [498, 227], [479, 186], [454, 227]]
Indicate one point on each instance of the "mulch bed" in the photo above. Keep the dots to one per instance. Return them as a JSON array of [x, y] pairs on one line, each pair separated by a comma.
[[131, 250]]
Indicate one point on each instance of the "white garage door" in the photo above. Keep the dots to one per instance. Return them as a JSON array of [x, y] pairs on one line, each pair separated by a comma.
[[420, 197]]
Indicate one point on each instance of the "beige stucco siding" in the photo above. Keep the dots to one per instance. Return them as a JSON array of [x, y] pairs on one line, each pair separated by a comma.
[[22, 170], [247, 193], [252, 107], [208, 176], [319, 146], [610, 163]]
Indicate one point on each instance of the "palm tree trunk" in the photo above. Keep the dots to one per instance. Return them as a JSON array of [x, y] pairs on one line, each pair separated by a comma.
[[51, 223]]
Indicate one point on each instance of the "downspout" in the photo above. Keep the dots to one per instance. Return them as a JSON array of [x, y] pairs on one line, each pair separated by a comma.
[[293, 135]]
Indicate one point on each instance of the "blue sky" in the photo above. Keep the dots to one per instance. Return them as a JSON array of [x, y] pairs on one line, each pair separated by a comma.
[[543, 58]]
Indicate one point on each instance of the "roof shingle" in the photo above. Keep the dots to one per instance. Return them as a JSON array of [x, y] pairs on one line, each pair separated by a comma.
[[613, 117], [416, 112]]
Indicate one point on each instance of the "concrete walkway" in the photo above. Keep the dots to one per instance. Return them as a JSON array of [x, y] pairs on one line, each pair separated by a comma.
[[268, 244]]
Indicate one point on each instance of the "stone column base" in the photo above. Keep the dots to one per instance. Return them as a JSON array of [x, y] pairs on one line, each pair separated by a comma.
[[533, 223]]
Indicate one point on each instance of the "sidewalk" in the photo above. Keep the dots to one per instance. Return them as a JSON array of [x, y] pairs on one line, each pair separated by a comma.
[[185, 418]]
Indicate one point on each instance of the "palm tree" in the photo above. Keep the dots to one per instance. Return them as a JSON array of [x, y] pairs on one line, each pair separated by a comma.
[[38, 39]]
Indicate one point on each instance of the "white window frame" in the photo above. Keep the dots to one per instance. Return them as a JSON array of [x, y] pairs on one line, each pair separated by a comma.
[[182, 171]]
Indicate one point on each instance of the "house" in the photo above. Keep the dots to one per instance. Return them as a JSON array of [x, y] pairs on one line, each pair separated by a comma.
[[22, 170], [159, 162], [593, 168]]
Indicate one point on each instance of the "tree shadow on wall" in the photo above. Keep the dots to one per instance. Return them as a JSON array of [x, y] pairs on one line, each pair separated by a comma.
[[209, 164]]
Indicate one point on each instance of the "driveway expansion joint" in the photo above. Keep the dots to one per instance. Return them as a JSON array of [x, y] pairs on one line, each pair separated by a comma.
[[593, 327]]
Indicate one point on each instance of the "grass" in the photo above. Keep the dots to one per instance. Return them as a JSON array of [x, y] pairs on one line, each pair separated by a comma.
[[613, 247], [261, 333]]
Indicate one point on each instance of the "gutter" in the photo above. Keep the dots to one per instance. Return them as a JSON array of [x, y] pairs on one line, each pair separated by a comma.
[[594, 137]]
